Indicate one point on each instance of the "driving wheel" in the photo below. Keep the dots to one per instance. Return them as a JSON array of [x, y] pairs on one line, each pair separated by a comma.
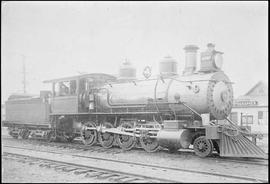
[[149, 144], [106, 139], [89, 133], [126, 142]]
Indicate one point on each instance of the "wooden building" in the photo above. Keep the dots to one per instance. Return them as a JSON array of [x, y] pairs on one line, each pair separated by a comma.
[[251, 109]]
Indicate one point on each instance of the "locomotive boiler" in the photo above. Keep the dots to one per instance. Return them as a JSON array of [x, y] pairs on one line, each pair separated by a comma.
[[169, 111], [202, 92]]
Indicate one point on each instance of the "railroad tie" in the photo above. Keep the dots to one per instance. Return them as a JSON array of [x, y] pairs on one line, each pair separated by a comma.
[[142, 181], [22, 160], [93, 174], [48, 165], [106, 175], [69, 169], [130, 180], [81, 171], [43, 164], [114, 176], [120, 178], [57, 166]]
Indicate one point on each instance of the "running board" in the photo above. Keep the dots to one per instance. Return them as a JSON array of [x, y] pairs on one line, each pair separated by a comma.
[[239, 146]]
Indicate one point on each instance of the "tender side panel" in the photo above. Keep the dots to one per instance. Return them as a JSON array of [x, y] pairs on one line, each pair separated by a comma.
[[28, 111], [65, 104]]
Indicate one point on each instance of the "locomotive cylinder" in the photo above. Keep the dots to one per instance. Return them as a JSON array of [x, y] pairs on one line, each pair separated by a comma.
[[175, 139]]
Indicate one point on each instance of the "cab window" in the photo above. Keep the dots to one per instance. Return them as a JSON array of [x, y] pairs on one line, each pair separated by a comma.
[[73, 87], [65, 88], [85, 84]]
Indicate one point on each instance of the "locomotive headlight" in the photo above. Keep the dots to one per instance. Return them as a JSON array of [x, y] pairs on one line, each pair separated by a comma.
[[218, 60]]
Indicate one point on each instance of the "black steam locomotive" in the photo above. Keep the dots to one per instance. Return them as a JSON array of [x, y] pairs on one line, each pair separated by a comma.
[[169, 111]]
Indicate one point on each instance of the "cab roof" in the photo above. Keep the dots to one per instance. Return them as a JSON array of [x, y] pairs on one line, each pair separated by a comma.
[[94, 76]]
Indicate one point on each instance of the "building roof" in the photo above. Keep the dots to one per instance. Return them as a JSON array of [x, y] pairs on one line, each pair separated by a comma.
[[261, 100], [257, 95], [260, 89]]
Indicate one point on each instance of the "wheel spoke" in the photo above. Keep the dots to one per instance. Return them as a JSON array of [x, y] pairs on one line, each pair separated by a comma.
[[106, 139], [203, 147], [124, 141], [149, 144], [89, 137]]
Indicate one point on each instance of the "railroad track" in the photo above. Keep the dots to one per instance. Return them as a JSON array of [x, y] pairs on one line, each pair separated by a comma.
[[115, 150], [115, 168], [87, 171], [216, 157]]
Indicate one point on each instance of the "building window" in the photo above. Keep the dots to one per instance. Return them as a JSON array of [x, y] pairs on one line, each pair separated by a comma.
[[247, 119], [234, 117], [260, 114], [262, 117]]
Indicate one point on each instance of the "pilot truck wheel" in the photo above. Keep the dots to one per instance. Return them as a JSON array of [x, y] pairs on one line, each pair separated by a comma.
[[203, 147]]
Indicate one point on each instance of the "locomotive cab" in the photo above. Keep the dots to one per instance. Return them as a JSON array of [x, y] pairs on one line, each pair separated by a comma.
[[72, 95]]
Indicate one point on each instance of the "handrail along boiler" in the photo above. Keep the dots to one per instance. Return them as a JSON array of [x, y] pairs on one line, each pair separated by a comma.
[[169, 111]]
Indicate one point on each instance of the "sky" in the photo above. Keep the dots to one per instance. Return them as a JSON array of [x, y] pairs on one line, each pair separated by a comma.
[[61, 39]]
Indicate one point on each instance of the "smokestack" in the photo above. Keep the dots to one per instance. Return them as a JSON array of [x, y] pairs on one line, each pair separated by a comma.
[[191, 59]]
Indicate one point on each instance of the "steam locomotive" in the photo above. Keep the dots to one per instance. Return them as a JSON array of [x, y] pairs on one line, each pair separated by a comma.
[[169, 111]]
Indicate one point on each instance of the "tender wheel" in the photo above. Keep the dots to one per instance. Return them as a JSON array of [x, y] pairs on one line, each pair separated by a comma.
[[89, 136], [10, 132], [203, 147], [52, 136], [23, 133], [20, 134], [70, 138], [124, 141], [149, 144], [26, 134], [106, 139], [15, 136]]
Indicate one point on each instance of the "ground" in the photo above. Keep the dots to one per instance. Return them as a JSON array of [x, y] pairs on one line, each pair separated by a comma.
[[13, 171], [16, 172]]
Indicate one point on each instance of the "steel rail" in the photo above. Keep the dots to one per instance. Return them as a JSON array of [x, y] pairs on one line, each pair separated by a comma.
[[80, 146], [157, 166], [63, 165]]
